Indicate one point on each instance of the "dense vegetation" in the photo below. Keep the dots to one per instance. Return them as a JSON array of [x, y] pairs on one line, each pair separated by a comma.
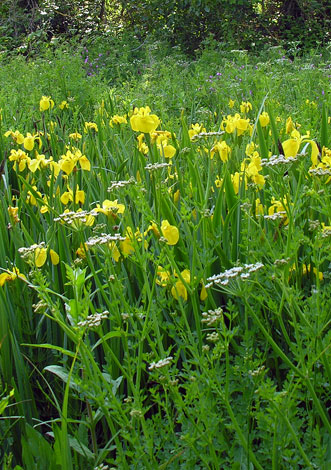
[[247, 24], [165, 231]]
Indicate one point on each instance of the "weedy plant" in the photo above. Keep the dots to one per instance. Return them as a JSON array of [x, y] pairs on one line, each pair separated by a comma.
[[165, 272]]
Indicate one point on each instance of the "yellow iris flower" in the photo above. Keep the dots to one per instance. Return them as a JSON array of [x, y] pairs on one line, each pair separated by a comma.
[[110, 208], [222, 149], [170, 232], [291, 146], [179, 289], [10, 276], [45, 103], [143, 121]]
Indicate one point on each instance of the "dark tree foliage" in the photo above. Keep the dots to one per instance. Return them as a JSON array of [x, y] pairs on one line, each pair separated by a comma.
[[186, 23], [308, 22], [242, 23]]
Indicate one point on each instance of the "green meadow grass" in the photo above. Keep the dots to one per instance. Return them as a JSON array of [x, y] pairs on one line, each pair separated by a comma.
[[165, 272]]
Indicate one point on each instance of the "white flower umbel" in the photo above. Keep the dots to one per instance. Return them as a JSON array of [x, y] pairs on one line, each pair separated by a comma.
[[26, 252], [326, 233], [319, 171], [242, 272], [121, 184], [278, 160], [40, 306], [212, 337], [276, 215], [161, 363], [70, 217], [212, 316], [282, 262], [104, 238], [201, 135], [102, 467], [313, 225], [156, 166], [257, 371], [92, 321]]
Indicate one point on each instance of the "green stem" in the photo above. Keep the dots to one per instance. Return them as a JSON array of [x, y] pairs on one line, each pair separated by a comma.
[[281, 354], [294, 435], [275, 449], [241, 436], [280, 320]]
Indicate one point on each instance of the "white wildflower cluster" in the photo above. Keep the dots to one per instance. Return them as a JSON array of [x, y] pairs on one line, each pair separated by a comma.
[[92, 321], [207, 212], [185, 150], [103, 238], [281, 262], [212, 316], [99, 227], [71, 216], [246, 206], [156, 166], [121, 184], [276, 215], [102, 467], [126, 315], [161, 363], [26, 252], [257, 371], [201, 135], [278, 160], [173, 382], [319, 171], [313, 225], [243, 272], [136, 413], [326, 233], [39, 307], [212, 337]]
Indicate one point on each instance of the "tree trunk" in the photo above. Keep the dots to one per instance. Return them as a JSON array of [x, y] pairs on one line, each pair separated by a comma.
[[102, 11]]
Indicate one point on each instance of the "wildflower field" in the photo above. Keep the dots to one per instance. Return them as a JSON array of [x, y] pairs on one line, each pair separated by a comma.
[[165, 261]]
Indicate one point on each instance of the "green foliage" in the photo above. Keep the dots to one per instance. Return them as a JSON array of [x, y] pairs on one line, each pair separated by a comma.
[[305, 23], [246, 24], [188, 23]]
